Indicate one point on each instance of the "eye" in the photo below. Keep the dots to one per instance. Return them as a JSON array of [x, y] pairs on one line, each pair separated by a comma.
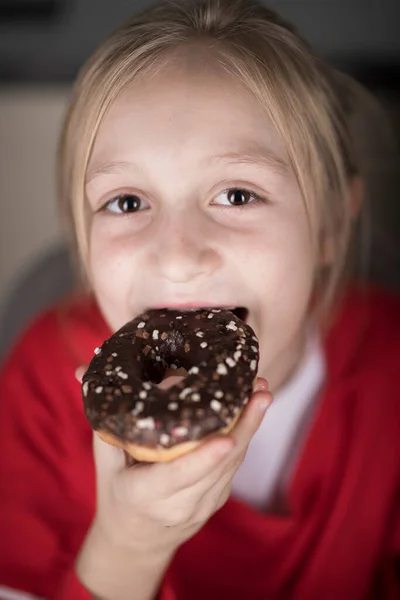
[[125, 204], [237, 197]]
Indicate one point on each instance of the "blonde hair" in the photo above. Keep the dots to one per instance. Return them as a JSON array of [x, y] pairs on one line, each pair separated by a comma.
[[299, 92]]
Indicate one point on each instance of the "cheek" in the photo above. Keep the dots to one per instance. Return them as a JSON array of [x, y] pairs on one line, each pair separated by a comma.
[[112, 264], [279, 264], [281, 251]]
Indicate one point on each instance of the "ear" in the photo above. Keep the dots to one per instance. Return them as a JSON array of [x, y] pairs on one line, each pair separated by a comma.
[[355, 199]]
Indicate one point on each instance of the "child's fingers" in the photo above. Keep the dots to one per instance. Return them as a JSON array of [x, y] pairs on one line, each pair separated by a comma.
[[186, 471], [191, 468], [109, 459], [80, 371], [250, 420], [199, 464], [202, 469], [261, 385]]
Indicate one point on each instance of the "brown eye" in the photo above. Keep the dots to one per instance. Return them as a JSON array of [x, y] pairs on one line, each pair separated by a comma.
[[239, 197], [128, 203], [125, 204]]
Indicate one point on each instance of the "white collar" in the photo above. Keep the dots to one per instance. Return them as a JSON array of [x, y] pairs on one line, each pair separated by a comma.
[[272, 452]]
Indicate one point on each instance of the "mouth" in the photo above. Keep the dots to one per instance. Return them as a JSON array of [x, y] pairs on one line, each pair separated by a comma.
[[241, 312]]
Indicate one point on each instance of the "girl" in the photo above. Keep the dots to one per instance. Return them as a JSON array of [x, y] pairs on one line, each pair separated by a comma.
[[206, 160]]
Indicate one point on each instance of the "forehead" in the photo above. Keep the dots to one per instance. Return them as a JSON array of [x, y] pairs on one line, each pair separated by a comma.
[[191, 106]]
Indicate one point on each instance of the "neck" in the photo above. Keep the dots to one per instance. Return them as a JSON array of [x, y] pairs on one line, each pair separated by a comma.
[[282, 369]]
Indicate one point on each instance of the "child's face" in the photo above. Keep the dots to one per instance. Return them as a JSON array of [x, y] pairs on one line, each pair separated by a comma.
[[169, 151]]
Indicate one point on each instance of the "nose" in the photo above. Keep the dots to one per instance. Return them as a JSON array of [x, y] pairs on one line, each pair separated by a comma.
[[184, 249]]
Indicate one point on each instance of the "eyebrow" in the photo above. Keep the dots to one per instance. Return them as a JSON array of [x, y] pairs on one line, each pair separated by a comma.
[[260, 157], [110, 167]]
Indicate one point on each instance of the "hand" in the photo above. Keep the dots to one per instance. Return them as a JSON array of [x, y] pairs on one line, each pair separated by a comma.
[[151, 509]]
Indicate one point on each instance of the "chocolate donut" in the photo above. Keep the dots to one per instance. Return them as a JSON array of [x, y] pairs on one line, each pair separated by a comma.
[[124, 404]]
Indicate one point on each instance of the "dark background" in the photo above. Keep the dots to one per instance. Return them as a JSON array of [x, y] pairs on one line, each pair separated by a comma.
[[47, 40]]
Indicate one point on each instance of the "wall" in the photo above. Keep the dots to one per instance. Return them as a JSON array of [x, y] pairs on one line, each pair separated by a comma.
[[30, 121]]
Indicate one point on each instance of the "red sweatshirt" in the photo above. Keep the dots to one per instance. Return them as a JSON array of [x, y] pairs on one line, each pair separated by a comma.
[[340, 538]]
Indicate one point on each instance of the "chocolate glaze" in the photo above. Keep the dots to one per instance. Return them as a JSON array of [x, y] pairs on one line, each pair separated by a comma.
[[120, 392]]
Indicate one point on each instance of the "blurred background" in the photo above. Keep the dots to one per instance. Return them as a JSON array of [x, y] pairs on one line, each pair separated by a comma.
[[42, 45]]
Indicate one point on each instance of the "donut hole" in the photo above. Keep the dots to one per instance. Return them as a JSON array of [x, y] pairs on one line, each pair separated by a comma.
[[165, 371], [172, 377]]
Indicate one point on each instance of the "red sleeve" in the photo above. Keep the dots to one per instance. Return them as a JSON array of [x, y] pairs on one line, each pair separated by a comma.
[[47, 483], [46, 467]]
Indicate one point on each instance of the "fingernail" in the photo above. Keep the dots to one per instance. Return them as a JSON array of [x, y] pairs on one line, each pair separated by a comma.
[[261, 385]]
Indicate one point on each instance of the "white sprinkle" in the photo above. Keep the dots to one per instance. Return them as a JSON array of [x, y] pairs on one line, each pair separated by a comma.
[[85, 388], [179, 317], [210, 316], [147, 385], [141, 325], [237, 355], [118, 369], [143, 395], [122, 375], [253, 365], [158, 358], [232, 326], [239, 347], [193, 371], [173, 367], [254, 349], [138, 408], [99, 389], [196, 397], [146, 423], [216, 310], [200, 334], [179, 431], [114, 354], [155, 334], [215, 405], [185, 393], [221, 369], [254, 338], [203, 345], [230, 362], [164, 439], [172, 406], [219, 394], [97, 350]]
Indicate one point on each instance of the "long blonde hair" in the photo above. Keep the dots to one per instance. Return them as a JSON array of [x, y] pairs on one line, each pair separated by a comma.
[[299, 92]]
